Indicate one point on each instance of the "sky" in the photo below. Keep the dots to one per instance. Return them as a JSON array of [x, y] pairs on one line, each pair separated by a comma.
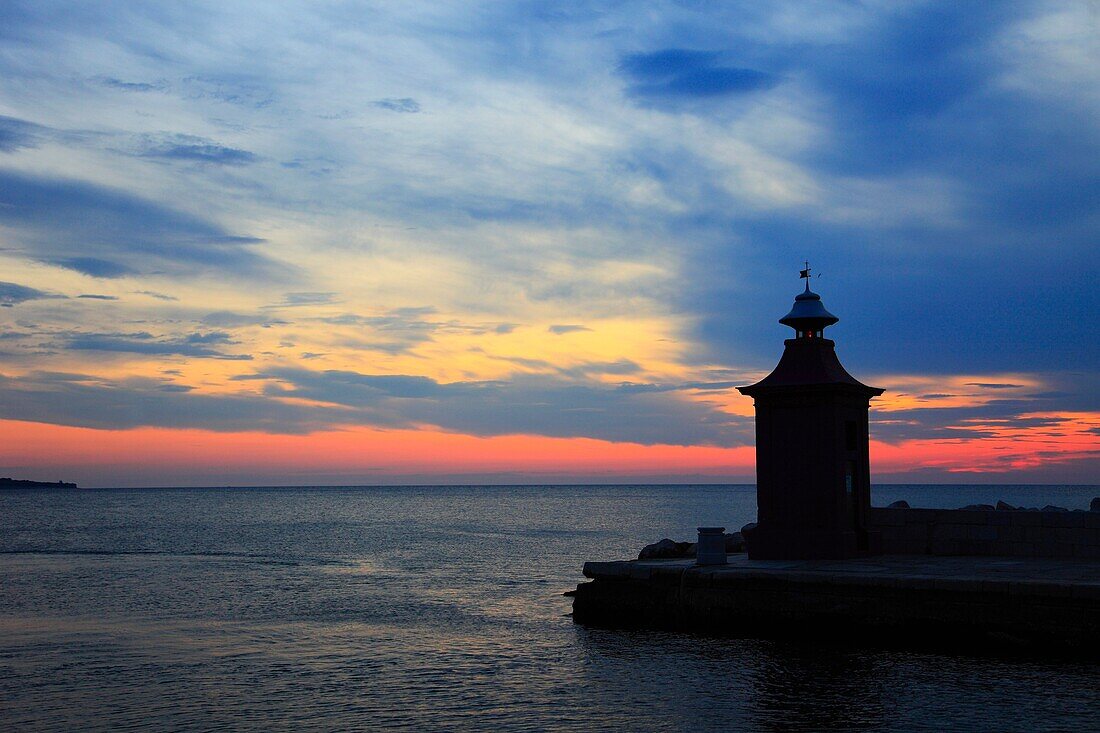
[[250, 243]]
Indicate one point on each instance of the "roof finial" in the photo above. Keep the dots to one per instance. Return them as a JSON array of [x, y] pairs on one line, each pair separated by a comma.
[[806, 274]]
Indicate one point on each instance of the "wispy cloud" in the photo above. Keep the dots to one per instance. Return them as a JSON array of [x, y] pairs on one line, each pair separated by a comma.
[[12, 294], [199, 345], [560, 329], [61, 220], [404, 104]]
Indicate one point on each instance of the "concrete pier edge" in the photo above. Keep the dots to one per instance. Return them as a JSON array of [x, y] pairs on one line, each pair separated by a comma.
[[1035, 605]]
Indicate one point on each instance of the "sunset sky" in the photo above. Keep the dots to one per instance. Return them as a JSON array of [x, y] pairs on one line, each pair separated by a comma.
[[403, 242]]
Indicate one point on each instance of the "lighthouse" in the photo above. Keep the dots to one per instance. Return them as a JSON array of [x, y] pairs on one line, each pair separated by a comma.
[[813, 488]]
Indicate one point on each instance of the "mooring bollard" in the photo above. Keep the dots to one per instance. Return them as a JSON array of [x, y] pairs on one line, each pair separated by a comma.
[[711, 548]]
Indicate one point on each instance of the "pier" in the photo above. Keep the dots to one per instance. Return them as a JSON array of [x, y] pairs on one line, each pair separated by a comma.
[[821, 563], [1046, 604]]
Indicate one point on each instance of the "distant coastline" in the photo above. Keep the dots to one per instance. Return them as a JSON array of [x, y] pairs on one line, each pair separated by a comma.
[[14, 483]]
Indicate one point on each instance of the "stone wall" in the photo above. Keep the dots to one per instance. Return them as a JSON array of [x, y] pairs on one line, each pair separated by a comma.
[[1014, 533]]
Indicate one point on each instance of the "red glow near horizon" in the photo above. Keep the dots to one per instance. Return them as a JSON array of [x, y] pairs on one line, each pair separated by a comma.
[[368, 455]]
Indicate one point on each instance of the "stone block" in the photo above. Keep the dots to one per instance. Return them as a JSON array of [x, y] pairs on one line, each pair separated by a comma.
[[1027, 519], [982, 533], [946, 547], [914, 532], [1034, 534], [1074, 519], [1022, 549], [1054, 518], [1063, 549]]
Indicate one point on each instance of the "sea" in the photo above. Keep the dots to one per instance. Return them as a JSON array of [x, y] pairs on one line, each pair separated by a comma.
[[440, 608]]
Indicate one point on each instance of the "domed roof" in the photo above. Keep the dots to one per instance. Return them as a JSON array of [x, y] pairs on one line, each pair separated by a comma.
[[808, 313]]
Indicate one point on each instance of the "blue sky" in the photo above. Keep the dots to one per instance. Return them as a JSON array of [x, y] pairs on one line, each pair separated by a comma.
[[574, 220]]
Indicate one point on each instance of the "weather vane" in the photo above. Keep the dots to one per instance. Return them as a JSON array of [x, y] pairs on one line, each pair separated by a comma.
[[806, 274]]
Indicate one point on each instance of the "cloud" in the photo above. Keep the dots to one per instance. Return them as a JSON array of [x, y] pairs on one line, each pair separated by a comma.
[[405, 104], [12, 294], [534, 405], [675, 74], [228, 319], [154, 294], [16, 134], [189, 148], [526, 404], [132, 86], [564, 328], [60, 221], [93, 266], [92, 402], [198, 345], [295, 300], [93, 296]]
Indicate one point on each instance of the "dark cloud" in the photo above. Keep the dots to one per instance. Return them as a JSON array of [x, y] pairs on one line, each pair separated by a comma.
[[132, 86], [188, 148], [198, 345], [93, 266], [12, 294], [154, 294], [675, 74], [563, 328], [994, 385], [137, 402], [93, 296], [405, 104], [60, 221], [910, 94], [16, 134], [228, 319], [536, 406]]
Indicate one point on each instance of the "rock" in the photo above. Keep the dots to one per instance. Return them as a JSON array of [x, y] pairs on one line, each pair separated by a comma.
[[735, 542], [899, 504], [664, 549], [978, 508], [1095, 505], [748, 528], [1005, 506], [1052, 508]]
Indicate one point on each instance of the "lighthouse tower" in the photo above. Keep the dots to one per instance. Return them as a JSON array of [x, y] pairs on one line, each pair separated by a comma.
[[813, 488]]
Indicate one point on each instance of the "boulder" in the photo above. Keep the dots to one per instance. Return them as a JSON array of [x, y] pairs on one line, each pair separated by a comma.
[[978, 508], [1005, 506], [899, 504], [1052, 508], [1095, 505], [735, 542], [666, 548]]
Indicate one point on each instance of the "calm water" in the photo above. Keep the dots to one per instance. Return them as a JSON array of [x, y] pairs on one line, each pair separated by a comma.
[[437, 609]]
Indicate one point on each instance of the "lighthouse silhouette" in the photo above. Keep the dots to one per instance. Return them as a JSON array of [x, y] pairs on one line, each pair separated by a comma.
[[813, 488]]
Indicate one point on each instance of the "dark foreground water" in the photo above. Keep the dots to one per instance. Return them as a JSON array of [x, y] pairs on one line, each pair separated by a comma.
[[438, 609]]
